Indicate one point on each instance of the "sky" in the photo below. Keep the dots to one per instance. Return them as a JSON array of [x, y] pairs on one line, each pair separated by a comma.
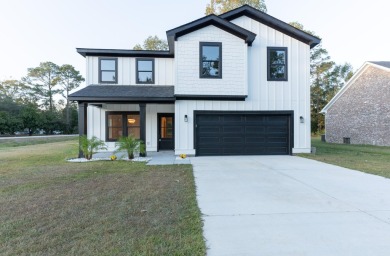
[[34, 31]]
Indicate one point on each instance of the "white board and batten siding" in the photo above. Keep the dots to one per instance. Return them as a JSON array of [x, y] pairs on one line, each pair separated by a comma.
[[97, 121], [164, 70], [263, 95]]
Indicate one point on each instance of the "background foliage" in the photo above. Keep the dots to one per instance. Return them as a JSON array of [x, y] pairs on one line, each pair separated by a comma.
[[38, 103]]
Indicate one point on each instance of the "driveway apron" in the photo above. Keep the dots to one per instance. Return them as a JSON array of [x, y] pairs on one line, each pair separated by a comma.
[[287, 205]]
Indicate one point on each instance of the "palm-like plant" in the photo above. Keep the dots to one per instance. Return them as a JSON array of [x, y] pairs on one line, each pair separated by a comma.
[[90, 146], [129, 144]]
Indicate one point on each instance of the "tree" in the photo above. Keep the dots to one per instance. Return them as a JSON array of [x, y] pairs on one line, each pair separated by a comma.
[[31, 118], [221, 6], [326, 78], [42, 80], [15, 90], [68, 78], [153, 43]]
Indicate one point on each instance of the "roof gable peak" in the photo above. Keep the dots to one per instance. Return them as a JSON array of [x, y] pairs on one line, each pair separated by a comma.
[[272, 22]]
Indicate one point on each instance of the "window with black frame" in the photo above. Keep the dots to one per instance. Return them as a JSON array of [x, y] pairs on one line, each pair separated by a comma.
[[210, 60], [145, 71], [122, 124], [277, 63], [108, 70]]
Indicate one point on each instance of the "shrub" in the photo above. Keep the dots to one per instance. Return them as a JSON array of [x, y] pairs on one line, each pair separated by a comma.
[[90, 146], [129, 144]]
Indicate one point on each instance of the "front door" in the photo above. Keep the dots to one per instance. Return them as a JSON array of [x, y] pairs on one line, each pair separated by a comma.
[[165, 131]]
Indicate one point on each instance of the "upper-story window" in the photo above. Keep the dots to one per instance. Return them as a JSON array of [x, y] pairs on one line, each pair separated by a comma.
[[108, 70], [277, 63], [210, 60], [145, 71]]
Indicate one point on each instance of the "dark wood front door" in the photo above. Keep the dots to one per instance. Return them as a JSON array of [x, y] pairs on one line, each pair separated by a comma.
[[166, 131]]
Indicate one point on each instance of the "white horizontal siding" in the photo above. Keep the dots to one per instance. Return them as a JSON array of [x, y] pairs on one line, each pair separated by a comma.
[[234, 64], [163, 71]]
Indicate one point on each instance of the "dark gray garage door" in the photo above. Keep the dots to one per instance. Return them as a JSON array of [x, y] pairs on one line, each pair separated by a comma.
[[243, 133]]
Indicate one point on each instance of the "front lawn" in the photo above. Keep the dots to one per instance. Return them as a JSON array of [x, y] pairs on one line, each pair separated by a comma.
[[52, 207], [365, 158]]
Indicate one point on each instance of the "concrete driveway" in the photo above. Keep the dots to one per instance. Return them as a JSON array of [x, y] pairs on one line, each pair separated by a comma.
[[285, 205]]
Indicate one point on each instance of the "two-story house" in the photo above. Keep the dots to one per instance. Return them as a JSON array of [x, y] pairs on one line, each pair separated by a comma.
[[234, 84]]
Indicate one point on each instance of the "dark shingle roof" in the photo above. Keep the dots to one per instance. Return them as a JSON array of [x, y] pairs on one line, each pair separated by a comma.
[[124, 93], [385, 64], [211, 19]]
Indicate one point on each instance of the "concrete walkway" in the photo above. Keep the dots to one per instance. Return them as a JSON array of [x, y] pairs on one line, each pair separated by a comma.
[[285, 205]]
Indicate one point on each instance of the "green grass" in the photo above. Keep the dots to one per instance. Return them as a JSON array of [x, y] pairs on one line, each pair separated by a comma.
[[365, 158], [32, 141], [52, 207]]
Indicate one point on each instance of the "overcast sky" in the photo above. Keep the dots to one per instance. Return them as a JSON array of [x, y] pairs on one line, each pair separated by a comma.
[[33, 31]]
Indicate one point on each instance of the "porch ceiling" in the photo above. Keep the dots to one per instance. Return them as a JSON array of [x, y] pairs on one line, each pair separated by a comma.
[[125, 93]]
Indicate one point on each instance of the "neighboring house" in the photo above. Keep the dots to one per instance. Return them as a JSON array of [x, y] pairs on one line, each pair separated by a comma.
[[360, 112], [234, 84]]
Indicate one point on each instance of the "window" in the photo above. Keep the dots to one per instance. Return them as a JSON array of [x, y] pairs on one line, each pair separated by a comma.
[[108, 70], [122, 124], [210, 60], [145, 71], [277, 64]]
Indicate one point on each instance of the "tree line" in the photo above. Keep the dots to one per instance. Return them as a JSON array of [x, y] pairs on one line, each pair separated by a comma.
[[38, 103]]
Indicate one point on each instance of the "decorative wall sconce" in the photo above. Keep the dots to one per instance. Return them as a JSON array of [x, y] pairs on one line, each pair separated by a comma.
[[301, 119], [185, 118]]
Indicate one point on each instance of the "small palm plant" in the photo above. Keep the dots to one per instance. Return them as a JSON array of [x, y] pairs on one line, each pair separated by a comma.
[[90, 146], [129, 144]]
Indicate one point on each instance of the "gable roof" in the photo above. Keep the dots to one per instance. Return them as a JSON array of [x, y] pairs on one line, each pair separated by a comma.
[[272, 22], [211, 19], [124, 93], [385, 65]]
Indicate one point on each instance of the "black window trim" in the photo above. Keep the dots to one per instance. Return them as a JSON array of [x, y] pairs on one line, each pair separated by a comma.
[[269, 78], [124, 121], [201, 44], [100, 71], [137, 71]]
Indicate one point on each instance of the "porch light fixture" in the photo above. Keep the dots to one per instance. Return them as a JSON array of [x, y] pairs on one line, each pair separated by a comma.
[[301, 119], [131, 120], [185, 118]]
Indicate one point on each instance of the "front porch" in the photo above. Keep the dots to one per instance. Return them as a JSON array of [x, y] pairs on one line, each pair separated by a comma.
[[110, 111]]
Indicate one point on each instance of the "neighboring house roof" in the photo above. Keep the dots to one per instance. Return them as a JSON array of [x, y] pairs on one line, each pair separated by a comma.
[[211, 19], [124, 93], [385, 65], [123, 53], [272, 22]]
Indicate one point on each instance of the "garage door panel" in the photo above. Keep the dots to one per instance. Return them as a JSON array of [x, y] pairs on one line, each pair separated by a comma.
[[233, 139], [232, 118], [209, 129], [233, 129], [242, 134], [255, 129]]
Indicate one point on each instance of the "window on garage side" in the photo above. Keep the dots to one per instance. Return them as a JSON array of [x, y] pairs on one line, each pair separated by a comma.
[[277, 63], [122, 124], [145, 71], [108, 70], [210, 54]]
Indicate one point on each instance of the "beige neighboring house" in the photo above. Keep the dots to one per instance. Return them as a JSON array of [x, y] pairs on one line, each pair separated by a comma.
[[360, 112]]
